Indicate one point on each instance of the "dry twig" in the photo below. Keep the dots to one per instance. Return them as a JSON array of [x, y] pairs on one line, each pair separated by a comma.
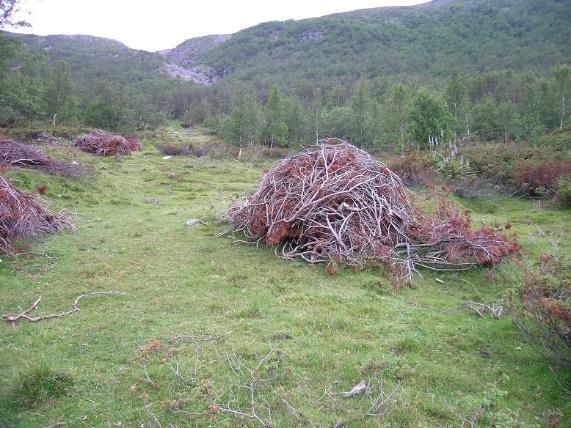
[[481, 309], [74, 308], [199, 338]]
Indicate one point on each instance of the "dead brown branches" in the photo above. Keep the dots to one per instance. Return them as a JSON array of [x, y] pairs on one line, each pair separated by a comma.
[[14, 154], [22, 216], [102, 143], [74, 308], [253, 381], [334, 203]]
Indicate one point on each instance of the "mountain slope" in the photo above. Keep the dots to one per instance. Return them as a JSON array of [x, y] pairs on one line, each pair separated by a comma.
[[99, 58], [183, 60], [426, 40]]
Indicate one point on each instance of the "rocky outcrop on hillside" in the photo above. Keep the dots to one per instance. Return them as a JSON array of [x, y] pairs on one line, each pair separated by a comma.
[[197, 74], [184, 60]]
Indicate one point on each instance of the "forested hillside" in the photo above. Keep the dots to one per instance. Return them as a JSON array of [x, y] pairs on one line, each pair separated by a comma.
[[425, 41], [390, 77]]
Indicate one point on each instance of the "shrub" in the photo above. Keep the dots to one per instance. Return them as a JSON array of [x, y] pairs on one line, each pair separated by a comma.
[[184, 150], [563, 195], [542, 310], [414, 168], [558, 140], [538, 177], [533, 171]]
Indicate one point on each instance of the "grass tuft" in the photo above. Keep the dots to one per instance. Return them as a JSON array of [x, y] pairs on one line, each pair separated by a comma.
[[40, 382]]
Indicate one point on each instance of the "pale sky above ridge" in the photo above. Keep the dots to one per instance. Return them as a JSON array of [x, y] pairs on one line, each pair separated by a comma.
[[157, 25]]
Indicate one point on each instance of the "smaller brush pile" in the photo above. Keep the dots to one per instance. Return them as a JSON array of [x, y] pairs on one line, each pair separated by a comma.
[[21, 155], [22, 216], [102, 143], [336, 204]]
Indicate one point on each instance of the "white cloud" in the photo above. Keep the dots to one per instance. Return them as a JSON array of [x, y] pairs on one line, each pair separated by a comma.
[[154, 25]]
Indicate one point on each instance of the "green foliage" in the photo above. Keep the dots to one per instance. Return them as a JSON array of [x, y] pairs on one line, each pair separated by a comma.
[[328, 331], [455, 95], [245, 119], [528, 170], [40, 382], [562, 75], [361, 108], [276, 130], [564, 191], [426, 41], [429, 120], [295, 119], [58, 93], [559, 140]]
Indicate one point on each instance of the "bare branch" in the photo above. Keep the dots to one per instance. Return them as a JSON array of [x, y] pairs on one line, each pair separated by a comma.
[[74, 308]]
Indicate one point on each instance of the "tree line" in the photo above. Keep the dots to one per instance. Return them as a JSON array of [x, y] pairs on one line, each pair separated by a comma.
[[493, 106], [391, 113]]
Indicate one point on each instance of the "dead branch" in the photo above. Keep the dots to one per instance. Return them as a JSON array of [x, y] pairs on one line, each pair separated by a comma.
[[198, 338], [13, 153], [241, 369], [472, 422], [178, 375], [102, 143], [74, 308], [149, 411], [334, 203], [496, 310], [293, 411], [382, 402], [23, 216], [362, 387]]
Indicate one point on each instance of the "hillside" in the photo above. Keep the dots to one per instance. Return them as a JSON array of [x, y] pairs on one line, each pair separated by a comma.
[[100, 58], [426, 40], [92, 58]]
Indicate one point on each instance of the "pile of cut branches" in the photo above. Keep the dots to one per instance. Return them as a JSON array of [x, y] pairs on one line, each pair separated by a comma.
[[335, 203], [22, 216], [21, 155], [102, 143]]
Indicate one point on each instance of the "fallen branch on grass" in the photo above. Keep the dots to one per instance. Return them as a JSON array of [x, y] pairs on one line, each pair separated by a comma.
[[481, 309], [361, 388], [74, 308], [239, 368], [198, 338], [383, 404]]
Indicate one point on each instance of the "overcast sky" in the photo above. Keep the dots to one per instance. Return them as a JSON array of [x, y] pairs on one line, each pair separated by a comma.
[[155, 25]]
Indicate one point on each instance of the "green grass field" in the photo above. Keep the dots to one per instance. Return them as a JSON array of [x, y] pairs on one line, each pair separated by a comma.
[[272, 341]]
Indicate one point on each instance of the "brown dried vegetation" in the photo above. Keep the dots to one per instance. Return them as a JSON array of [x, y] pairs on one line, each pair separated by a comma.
[[335, 203], [15, 154], [22, 216], [102, 143]]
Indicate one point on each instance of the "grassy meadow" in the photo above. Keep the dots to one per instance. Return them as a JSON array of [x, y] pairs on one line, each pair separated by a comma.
[[216, 333]]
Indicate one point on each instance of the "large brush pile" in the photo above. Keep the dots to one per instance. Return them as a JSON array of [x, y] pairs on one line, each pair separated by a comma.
[[101, 143], [336, 204], [21, 155], [22, 216]]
